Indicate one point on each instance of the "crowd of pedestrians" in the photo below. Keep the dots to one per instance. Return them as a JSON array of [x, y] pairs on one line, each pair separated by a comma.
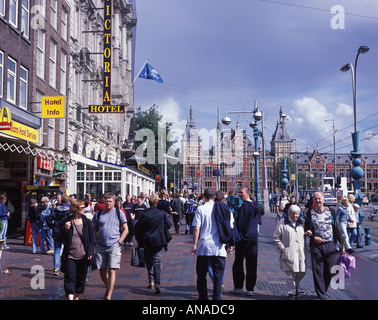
[[82, 235]]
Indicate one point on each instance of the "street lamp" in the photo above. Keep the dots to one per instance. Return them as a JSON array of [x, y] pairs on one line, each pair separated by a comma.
[[257, 116], [356, 173], [334, 154]]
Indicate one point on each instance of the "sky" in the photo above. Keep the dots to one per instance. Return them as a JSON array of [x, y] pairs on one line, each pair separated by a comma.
[[227, 54]]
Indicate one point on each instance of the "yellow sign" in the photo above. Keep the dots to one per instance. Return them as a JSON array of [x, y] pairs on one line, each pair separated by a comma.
[[53, 107], [15, 129], [106, 109]]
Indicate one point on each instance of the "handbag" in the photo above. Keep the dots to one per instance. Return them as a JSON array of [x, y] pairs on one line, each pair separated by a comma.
[[345, 260], [137, 257]]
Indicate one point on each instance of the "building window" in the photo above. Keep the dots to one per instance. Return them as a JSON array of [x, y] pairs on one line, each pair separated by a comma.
[[269, 171], [108, 176], [41, 54], [11, 80], [238, 169], [51, 133], [64, 19], [25, 18], [117, 176], [375, 173], [13, 13], [54, 14], [2, 7], [1, 73], [61, 133], [42, 7], [192, 171], [63, 69], [223, 186], [223, 169], [52, 80], [208, 184], [208, 172], [23, 87]]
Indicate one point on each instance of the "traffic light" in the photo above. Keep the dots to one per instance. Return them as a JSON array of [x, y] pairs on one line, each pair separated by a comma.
[[338, 182]]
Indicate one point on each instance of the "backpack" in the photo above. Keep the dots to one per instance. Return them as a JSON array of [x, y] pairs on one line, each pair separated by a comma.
[[118, 215], [190, 208], [222, 217]]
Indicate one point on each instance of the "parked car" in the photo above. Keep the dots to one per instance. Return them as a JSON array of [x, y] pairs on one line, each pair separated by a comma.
[[330, 200], [365, 199]]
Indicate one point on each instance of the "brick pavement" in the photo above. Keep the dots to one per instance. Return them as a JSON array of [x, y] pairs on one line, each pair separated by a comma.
[[178, 275]]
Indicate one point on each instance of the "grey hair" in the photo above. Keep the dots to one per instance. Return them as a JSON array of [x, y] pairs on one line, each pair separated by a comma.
[[294, 209]]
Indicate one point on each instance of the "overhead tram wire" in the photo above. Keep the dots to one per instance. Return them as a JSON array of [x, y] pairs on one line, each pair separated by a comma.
[[317, 9]]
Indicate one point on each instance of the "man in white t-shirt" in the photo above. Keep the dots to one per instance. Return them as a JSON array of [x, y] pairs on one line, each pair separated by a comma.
[[208, 247], [282, 200]]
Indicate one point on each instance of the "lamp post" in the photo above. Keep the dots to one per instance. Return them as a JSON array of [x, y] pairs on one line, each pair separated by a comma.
[[257, 116], [334, 154], [356, 173]]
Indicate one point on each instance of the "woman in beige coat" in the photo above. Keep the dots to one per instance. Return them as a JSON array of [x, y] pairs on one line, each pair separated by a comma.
[[290, 242]]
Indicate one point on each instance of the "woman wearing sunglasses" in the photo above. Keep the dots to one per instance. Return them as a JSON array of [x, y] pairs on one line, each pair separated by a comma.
[[78, 250]]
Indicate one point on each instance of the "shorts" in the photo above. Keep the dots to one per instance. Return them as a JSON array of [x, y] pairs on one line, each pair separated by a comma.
[[108, 257]]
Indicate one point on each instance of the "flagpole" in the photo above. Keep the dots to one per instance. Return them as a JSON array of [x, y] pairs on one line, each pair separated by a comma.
[[140, 71]]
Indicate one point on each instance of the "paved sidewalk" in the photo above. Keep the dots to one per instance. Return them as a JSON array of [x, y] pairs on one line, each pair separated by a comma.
[[178, 275]]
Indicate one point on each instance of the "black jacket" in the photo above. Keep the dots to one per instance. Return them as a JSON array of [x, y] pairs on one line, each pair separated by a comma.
[[150, 228], [88, 239], [249, 216]]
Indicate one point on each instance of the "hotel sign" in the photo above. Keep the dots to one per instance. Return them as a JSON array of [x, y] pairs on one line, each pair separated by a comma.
[[107, 66], [15, 129]]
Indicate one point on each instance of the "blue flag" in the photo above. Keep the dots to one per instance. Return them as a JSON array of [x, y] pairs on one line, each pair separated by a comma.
[[149, 72]]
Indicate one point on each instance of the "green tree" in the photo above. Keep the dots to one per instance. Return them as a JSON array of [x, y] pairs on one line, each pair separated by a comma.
[[151, 119]]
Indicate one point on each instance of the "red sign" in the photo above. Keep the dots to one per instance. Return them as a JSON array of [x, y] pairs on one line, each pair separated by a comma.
[[28, 235], [198, 173], [157, 178], [330, 166], [45, 164]]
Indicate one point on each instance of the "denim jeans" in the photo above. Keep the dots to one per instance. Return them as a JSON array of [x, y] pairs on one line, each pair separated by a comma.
[[56, 257], [3, 233], [352, 234], [343, 230], [217, 264], [46, 234], [153, 257], [36, 230]]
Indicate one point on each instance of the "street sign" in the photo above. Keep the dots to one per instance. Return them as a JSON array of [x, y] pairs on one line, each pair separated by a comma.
[[330, 166]]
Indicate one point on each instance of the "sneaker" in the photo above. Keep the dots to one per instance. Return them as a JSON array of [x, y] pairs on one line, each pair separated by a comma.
[[56, 272], [291, 297], [50, 252], [237, 291], [250, 293], [150, 285]]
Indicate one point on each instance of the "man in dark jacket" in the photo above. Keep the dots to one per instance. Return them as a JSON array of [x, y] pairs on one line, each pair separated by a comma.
[[247, 222], [54, 221], [151, 230]]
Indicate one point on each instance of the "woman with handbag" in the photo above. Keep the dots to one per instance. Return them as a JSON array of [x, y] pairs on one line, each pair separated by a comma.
[[78, 239]]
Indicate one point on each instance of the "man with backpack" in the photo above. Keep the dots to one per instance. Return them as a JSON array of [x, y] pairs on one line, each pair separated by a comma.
[[108, 224], [190, 207]]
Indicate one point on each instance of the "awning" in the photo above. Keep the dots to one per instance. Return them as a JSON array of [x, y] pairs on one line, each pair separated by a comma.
[[79, 158], [13, 144]]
